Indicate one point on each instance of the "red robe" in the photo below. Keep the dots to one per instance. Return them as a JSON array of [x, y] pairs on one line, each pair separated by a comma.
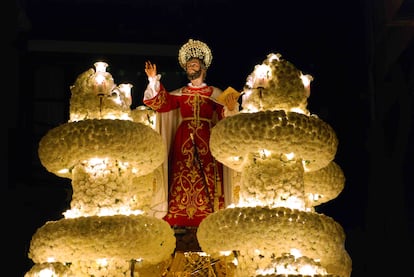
[[195, 177]]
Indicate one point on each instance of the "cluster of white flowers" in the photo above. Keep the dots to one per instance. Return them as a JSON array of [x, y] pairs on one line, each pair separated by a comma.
[[144, 115], [113, 267], [93, 238], [261, 233], [111, 158], [289, 264], [323, 185], [282, 87], [272, 182], [285, 157], [278, 132], [87, 103], [112, 190], [69, 144]]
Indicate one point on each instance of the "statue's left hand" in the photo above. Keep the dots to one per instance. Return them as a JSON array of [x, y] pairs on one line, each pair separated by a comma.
[[231, 101]]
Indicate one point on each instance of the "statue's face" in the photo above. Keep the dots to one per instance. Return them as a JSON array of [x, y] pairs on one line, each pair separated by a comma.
[[193, 68], [193, 63]]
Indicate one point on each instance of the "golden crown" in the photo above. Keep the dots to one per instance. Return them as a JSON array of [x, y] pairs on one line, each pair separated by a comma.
[[194, 49]]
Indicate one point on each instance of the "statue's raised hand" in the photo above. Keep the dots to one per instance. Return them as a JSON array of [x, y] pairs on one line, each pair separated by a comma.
[[150, 69]]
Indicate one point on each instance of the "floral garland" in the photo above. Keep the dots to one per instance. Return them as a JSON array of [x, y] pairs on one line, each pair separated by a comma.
[[260, 233], [92, 238], [71, 143]]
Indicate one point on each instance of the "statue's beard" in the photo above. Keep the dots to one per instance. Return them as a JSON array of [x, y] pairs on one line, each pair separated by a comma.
[[194, 75]]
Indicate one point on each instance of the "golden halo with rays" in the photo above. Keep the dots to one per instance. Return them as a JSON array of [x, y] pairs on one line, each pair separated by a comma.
[[194, 49]]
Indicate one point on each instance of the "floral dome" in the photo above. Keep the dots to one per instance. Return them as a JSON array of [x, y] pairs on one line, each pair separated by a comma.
[[284, 157], [276, 84], [113, 156]]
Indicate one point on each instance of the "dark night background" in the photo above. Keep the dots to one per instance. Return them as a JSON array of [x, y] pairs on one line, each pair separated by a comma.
[[360, 54]]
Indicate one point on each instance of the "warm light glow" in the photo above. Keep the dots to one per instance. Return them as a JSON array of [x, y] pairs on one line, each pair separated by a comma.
[[96, 165], [47, 273], [123, 210], [295, 252], [100, 79], [103, 166], [305, 164], [116, 98], [126, 91], [306, 79], [298, 110], [289, 265], [104, 84], [100, 66], [102, 262], [235, 261], [52, 269], [314, 197], [101, 86], [225, 253], [262, 76], [63, 171], [122, 116], [289, 156], [264, 153], [73, 213], [293, 202]]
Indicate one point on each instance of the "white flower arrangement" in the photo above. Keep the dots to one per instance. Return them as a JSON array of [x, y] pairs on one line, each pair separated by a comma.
[[87, 103], [276, 84], [260, 233], [272, 182], [114, 190], [285, 159], [112, 160], [279, 132], [135, 144], [92, 238], [323, 185]]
